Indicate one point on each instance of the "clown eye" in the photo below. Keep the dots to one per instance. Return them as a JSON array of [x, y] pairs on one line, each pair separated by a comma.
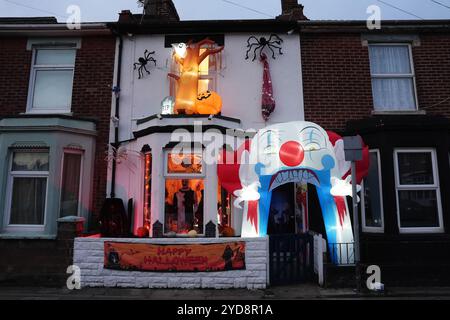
[[312, 147]]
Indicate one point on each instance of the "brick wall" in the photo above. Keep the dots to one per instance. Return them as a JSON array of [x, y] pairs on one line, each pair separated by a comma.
[[89, 256], [432, 67], [336, 79], [94, 69], [337, 84], [15, 62]]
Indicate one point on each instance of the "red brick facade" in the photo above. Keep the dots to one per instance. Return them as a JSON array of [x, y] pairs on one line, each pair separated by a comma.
[[92, 94], [337, 83], [91, 98]]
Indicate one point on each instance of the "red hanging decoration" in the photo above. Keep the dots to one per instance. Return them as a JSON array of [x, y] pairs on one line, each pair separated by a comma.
[[268, 101]]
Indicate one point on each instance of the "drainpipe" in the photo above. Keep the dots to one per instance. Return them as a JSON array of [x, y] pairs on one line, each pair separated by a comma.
[[115, 144]]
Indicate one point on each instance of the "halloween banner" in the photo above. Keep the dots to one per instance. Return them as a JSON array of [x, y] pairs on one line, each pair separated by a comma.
[[175, 257]]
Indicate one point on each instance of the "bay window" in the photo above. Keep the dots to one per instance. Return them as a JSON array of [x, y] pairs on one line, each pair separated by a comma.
[[71, 183], [27, 190], [417, 191], [184, 193], [393, 79], [372, 199]]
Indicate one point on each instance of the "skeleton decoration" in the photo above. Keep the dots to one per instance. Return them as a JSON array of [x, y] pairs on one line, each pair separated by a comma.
[[273, 43], [141, 65], [293, 152]]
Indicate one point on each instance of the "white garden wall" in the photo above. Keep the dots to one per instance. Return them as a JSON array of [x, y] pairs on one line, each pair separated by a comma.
[[89, 257]]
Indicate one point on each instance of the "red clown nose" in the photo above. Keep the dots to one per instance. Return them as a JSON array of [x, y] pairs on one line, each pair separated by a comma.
[[291, 153]]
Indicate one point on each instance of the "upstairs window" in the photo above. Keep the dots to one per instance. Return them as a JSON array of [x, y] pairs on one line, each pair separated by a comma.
[[393, 80], [51, 80]]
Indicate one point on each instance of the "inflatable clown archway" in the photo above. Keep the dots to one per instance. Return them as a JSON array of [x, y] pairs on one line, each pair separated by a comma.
[[300, 152]]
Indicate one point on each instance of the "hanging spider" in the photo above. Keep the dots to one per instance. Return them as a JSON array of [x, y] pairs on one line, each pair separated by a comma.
[[274, 42], [143, 61]]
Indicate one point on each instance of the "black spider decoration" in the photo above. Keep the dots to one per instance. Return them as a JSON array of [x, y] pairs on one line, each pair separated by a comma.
[[143, 61], [274, 42]]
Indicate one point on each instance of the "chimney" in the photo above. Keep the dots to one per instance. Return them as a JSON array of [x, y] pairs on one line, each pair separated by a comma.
[[291, 10], [160, 10]]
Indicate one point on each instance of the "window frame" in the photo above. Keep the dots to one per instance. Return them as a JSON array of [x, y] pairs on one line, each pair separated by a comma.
[[435, 186], [366, 228], [201, 175], [9, 193], [33, 72], [183, 176], [80, 189], [411, 75]]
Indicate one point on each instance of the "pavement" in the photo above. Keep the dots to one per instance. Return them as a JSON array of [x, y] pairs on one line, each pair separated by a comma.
[[293, 292]]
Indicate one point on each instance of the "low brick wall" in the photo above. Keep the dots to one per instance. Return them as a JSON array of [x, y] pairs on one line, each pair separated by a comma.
[[89, 256]]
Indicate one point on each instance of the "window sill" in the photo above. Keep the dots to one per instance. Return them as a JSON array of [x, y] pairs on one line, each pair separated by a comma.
[[26, 236], [50, 112], [415, 112]]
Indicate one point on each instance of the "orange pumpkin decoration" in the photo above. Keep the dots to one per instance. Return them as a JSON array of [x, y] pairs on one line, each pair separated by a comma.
[[208, 102], [228, 232], [142, 232]]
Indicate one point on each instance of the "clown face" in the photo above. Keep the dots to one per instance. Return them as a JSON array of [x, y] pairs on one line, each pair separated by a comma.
[[292, 152]]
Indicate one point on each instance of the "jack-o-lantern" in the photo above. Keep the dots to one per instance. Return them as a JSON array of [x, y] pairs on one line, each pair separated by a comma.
[[208, 102], [142, 232]]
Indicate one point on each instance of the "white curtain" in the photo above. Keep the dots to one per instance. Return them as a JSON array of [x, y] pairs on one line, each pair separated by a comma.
[[392, 93]]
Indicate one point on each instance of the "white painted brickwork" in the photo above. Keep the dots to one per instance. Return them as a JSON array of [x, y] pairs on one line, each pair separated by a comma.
[[88, 255]]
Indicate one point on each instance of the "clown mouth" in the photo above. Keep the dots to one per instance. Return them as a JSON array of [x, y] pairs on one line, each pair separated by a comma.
[[293, 175]]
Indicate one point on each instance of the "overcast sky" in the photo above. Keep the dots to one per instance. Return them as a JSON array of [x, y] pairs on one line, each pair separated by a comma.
[[107, 10]]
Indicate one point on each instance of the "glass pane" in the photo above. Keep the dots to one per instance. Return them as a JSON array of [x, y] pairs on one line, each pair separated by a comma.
[[393, 94], [147, 191], [418, 208], [70, 192], [203, 68], [183, 212], [224, 211], [372, 196], [30, 161], [28, 201], [415, 168], [53, 89], [55, 57], [184, 163], [390, 60]]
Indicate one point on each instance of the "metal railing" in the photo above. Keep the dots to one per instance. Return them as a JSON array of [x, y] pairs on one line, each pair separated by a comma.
[[342, 253]]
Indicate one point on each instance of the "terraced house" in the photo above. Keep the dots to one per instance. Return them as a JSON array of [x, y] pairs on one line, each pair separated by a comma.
[[93, 121]]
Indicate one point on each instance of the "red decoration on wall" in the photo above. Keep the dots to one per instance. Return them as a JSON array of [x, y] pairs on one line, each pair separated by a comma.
[[268, 101]]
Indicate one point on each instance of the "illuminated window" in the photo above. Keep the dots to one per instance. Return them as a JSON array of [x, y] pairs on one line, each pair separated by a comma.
[[225, 212], [208, 71], [184, 194], [147, 190]]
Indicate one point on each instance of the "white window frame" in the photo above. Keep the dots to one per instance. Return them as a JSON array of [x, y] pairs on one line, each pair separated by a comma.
[[9, 192], [183, 176], [363, 207], [435, 186], [81, 153], [411, 75], [35, 68]]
